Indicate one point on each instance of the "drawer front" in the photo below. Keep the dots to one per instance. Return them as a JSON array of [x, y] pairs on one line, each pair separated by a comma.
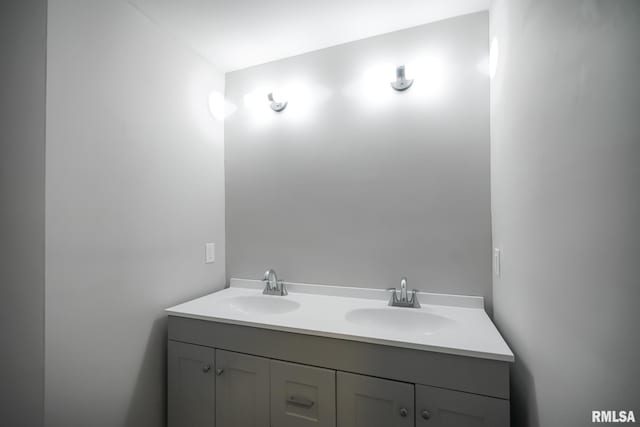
[[302, 396], [438, 407]]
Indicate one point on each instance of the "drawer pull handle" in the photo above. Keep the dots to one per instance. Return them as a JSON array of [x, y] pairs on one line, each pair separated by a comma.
[[300, 401], [206, 368], [404, 412], [426, 415], [219, 372]]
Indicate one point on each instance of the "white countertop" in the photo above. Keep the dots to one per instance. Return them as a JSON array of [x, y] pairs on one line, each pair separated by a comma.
[[449, 324]]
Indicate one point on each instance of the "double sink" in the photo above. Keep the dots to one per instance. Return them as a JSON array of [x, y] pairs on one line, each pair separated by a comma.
[[443, 323], [385, 318]]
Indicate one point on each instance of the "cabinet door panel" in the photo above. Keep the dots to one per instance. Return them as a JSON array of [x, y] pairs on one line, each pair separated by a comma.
[[437, 407], [242, 390], [191, 385], [372, 402], [302, 396]]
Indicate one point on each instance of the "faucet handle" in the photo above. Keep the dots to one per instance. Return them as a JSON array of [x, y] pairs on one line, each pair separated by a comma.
[[414, 299], [394, 296], [282, 289]]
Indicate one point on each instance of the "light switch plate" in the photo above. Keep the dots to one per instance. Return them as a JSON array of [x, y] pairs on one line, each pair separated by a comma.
[[497, 267], [209, 253]]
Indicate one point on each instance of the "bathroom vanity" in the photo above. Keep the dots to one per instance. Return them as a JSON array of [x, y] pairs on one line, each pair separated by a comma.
[[330, 356]]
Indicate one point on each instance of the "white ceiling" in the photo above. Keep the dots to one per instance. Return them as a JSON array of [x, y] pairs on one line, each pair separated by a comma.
[[235, 34]]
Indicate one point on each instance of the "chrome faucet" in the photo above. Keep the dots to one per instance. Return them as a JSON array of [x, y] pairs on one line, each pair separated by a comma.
[[273, 286], [406, 299], [403, 289]]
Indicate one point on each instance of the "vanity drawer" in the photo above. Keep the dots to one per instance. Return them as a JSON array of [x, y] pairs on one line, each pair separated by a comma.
[[302, 396]]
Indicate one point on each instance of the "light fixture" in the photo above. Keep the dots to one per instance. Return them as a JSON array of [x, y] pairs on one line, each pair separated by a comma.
[[277, 106], [401, 83]]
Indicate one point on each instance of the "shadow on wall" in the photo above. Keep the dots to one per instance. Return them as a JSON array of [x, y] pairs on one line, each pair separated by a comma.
[[524, 406], [150, 392]]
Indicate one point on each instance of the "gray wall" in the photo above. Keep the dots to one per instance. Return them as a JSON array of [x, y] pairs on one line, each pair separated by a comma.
[[22, 210], [357, 184], [135, 187], [566, 205]]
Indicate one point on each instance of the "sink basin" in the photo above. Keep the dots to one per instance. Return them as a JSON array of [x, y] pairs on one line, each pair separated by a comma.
[[407, 320], [262, 304]]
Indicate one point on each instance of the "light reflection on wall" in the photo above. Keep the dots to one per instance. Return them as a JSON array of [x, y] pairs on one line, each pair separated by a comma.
[[494, 57], [201, 83], [371, 86], [432, 74], [219, 107]]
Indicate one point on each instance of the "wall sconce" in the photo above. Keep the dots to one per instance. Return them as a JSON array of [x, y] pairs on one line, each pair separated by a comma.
[[401, 83], [277, 106]]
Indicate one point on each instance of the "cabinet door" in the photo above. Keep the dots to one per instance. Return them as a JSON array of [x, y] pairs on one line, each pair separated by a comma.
[[438, 407], [242, 390], [371, 402], [302, 396], [191, 385]]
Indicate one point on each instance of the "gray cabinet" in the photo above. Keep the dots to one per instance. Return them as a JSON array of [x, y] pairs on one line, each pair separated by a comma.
[[438, 407], [191, 389], [302, 396], [372, 402], [242, 390], [267, 378]]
